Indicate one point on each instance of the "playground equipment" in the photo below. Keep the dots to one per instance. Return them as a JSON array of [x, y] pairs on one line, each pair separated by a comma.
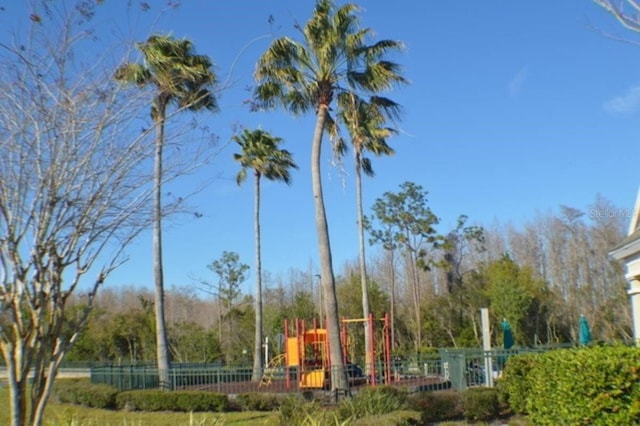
[[271, 370], [307, 353]]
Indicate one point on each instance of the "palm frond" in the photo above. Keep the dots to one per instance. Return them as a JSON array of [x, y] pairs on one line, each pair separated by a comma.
[[261, 154], [133, 74], [180, 74], [365, 166]]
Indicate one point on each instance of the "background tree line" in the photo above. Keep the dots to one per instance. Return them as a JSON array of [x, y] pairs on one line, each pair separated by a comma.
[[541, 277]]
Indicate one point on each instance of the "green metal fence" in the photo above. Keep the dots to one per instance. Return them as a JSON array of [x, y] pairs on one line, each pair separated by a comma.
[[468, 367], [192, 376], [450, 368]]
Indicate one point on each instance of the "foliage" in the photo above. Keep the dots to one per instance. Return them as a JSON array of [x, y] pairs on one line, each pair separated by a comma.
[[158, 400], [515, 294], [81, 392], [178, 75], [515, 383], [191, 342], [436, 406], [403, 220], [371, 402], [349, 292], [595, 386], [295, 411], [254, 401], [231, 274], [480, 404]]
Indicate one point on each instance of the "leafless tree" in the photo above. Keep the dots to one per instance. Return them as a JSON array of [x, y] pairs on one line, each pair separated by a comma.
[[75, 190], [627, 12]]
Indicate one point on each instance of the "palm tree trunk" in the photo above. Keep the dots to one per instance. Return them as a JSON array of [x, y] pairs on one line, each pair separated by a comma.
[[257, 347], [338, 375], [162, 346], [369, 359]]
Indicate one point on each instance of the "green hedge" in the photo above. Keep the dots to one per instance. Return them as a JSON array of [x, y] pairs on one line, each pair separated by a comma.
[[254, 401], [81, 392], [584, 386], [480, 404], [515, 384], [436, 406], [157, 400]]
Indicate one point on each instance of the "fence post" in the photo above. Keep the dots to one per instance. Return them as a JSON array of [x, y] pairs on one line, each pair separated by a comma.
[[486, 346]]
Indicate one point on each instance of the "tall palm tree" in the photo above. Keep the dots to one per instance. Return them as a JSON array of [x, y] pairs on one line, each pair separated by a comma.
[[261, 155], [182, 78], [307, 75], [365, 123]]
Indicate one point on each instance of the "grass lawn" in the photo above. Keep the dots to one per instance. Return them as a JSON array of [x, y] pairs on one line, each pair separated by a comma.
[[64, 414]]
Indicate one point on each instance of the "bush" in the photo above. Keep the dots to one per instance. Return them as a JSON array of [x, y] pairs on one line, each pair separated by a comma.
[[372, 402], [295, 411], [258, 401], [515, 384], [437, 406], [201, 401], [480, 404], [595, 385], [157, 400], [82, 392]]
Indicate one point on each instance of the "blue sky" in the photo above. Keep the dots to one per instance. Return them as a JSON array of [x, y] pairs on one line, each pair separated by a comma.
[[514, 108]]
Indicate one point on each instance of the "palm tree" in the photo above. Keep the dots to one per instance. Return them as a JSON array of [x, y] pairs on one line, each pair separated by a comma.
[[182, 78], [365, 123], [260, 154], [304, 76]]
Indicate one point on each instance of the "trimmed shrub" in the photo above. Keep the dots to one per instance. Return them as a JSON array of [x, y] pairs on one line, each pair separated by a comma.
[[200, 401], [82, 392], [372, 402], [480, 404], [437, 406], [254, 401], [145, 400], [515, 384], [157, 400], [586, 386]]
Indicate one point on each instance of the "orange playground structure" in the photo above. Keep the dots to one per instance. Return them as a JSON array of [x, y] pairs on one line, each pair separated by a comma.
[[307, 353]]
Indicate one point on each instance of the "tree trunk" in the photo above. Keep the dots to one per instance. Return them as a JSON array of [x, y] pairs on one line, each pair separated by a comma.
[[257, 347], [17, 386], [338, 375], [162, 346], [369, 358], [39, 402], [393, 298], [415, 284]]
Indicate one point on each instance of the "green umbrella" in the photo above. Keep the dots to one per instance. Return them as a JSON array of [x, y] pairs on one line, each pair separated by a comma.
[[507, 335], [585, 332]]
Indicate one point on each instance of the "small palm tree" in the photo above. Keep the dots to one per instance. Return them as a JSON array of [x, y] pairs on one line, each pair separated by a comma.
[[261, 155], [182, 78], [365, 123], [332, 58]]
